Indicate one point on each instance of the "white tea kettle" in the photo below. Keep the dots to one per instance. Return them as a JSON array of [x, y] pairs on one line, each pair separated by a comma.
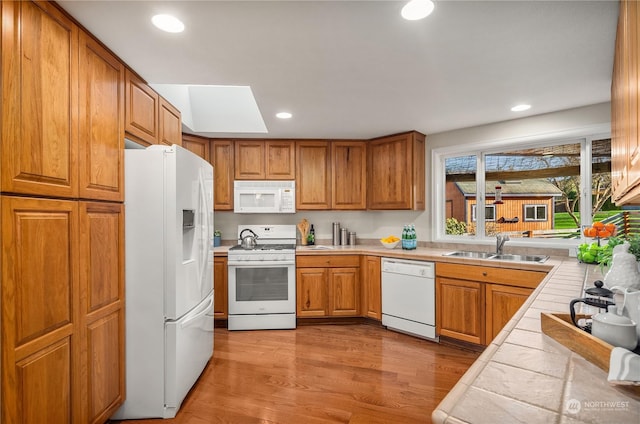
[[628, 303], [617, 330]]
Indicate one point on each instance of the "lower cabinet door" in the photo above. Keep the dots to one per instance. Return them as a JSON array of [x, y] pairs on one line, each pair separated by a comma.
[[460, 311], [502, 303]]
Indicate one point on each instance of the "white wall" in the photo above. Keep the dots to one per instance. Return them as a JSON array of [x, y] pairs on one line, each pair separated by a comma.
[[377, 224]]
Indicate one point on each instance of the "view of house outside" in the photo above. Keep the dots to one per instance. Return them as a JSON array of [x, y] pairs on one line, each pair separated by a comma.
[[532, 192]]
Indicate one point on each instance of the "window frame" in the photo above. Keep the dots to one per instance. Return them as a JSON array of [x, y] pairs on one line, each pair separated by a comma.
[[474, 211], [479, 149], [535, 207]]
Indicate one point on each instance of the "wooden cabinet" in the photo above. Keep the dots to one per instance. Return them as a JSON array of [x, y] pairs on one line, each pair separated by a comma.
[[349, 175], [474, 302], [327, 286], [249, 160], [170, 124], [280, 160], [220, 284], [197, 145], [62, 310], [41, 336], [625, 107], [396, 172], [39, 100], [313, 175], [264, 160], [460, 309], [141, 110], [502, 302], [101, 263], [62, 297], [222, 159], [371, 287], [101, 122]]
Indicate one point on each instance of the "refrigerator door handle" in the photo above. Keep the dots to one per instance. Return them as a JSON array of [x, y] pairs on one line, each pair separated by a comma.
[[205, 232], [204, 311]]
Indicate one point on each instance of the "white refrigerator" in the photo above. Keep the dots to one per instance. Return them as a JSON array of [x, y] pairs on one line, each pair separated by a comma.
[[169, 278]]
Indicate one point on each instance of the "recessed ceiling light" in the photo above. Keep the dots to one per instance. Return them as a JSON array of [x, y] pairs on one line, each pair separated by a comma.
[[417, 9], [520, 108], [283, 115], [168, 23]]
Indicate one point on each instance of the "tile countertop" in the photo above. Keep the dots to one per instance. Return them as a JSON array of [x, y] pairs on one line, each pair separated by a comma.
[[523, 376]]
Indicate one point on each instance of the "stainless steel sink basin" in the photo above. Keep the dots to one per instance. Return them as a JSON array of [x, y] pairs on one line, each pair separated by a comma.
[[501, 257], [470, 254], [521, 258]]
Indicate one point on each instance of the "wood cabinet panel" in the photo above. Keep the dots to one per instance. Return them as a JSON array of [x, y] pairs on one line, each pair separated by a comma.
[[249, 160], [102, 259], [43, 386], [280, 160], [39, 315], [39, 100], [460, 309], [371, 287], [105, 356], [220, 287], [222, 159], [349, 178], [311, 292], [141, 110], [344, 292], [502, 302], [170, 124], [197, 145], [506, 276], [327, 261], [101, 122], [102, 308], [625, 107], [396, 172], [313, 175]]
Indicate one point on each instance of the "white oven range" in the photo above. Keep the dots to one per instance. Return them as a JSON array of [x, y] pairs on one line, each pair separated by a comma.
[[262, 280]]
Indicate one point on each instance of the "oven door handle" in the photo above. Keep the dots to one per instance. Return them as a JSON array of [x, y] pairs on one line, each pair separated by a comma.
[[259, 264]]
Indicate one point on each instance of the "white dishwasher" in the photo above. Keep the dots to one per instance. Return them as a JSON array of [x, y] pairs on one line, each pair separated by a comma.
[[408, 297]]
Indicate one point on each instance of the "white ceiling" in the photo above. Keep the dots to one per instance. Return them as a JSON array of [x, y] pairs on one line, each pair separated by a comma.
[[356, 69]]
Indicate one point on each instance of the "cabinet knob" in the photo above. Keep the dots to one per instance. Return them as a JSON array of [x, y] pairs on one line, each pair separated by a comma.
[[484, 274]]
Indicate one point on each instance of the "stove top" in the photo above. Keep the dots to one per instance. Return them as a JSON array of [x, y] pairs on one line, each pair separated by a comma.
[[265, 247]]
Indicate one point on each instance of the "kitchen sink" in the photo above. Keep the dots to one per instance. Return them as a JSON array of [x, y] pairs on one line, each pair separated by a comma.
[[470, 254], [521, 258], [497, 257]]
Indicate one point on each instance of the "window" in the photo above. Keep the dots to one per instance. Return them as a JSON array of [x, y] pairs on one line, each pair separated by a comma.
[[489, 212], [534, 189], [535, 212]]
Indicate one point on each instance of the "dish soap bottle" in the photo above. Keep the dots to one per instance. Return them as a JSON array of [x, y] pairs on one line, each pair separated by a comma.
[[311, 237]]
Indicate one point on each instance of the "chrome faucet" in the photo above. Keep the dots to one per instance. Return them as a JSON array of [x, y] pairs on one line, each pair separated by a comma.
[[501, 239]]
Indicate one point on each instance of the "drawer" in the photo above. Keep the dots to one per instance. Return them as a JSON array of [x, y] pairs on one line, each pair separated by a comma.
[[327, 261], [506, 276]]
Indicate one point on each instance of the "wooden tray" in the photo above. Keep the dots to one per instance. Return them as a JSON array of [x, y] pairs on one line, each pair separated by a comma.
[[560, 328]]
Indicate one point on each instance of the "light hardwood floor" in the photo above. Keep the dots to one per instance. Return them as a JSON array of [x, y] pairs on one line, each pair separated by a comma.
[[322, 374]]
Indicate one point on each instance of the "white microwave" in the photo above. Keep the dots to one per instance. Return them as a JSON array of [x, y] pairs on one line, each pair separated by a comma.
[[264, 196]]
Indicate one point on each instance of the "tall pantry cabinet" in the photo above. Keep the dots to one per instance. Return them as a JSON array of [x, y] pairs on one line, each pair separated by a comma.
[[61, 181]]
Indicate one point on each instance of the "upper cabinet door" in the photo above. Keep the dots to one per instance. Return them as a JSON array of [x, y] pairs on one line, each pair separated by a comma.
[[396, 172], [249, 160], [280, 157], [101, 122], [313, 175], [141, 110], [39, 100], [170, 124], [222, 152], [197, 145], [349, 182]]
